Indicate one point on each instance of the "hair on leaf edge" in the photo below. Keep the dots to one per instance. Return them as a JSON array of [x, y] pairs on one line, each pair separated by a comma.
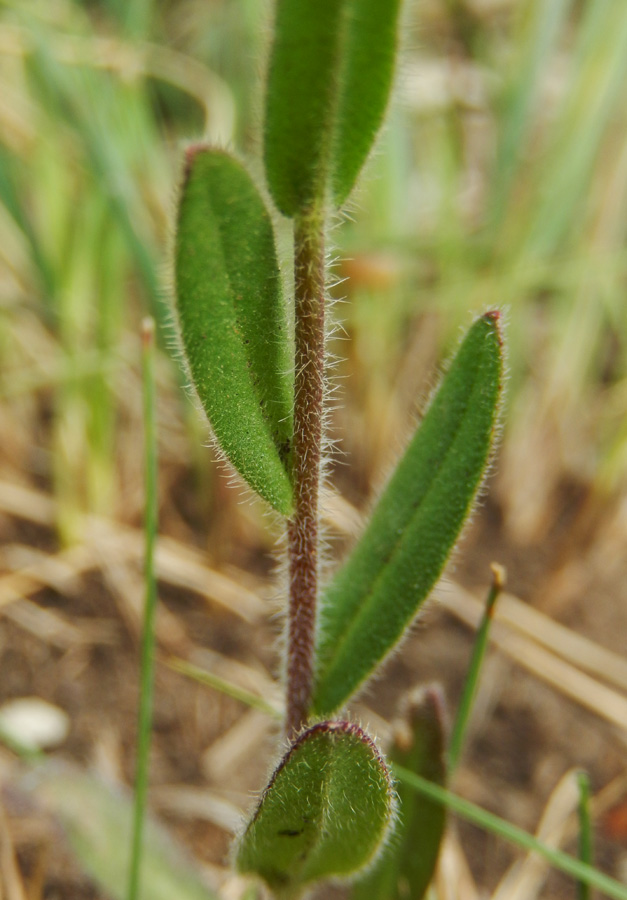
[[496, 315]]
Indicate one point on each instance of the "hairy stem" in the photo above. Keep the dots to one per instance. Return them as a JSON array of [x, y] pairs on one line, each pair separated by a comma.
[[308, 416]]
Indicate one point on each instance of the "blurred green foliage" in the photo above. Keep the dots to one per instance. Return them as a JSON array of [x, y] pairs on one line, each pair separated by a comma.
[[501, 179]]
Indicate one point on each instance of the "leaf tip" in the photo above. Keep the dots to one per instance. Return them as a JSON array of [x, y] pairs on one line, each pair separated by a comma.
[[424, 707], [427, 701], [191, 153], [496, 319]]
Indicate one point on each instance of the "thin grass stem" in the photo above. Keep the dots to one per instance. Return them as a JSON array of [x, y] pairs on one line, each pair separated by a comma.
[[148, 637], [224, 686], [576, 868], [585, 831], [474, 669]]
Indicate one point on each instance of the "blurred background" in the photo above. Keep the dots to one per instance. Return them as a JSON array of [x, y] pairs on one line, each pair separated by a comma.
[[500, 179]]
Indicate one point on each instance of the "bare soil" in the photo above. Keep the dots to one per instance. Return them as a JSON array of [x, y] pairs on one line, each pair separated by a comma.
[[69, 634]]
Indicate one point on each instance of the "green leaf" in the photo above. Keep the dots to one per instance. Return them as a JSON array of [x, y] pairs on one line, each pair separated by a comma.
[[374, 597], [325, 812], [329, 79], [233, 320], [406, 866], [370, 41], [299, 100], [97, 820], [67, 92], [12, 198]]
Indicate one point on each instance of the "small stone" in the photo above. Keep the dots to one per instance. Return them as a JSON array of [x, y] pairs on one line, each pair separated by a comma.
[[34, 722]]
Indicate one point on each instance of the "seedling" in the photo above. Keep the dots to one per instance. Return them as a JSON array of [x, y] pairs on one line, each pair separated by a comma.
[[330, 804]]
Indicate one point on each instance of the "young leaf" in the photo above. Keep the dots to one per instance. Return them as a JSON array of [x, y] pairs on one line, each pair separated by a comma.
[[329, 80], [299, 100], [406, 866], [376, 594], [370, 40], [233, 321], [325, 812]]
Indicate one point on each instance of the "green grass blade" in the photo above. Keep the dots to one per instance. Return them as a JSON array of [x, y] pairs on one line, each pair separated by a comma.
[[110, 272], [254, 701], [500, 827], [376, 594], [541, 31], [472, 676], [585, 832], [11, 198], [325, 812], [233, 321], [407, 864], [150, 609], [367, 70], [72, 99], [594, 99]]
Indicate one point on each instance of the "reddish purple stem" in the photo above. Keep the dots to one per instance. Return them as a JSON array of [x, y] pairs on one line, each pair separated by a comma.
[[308, 417]]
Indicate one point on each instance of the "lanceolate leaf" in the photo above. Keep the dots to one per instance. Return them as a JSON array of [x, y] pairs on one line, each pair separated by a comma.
[[376, 594], [299, 100], [325, 812], [329, 80], [406, 866], [233, 320], [367, 71]]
